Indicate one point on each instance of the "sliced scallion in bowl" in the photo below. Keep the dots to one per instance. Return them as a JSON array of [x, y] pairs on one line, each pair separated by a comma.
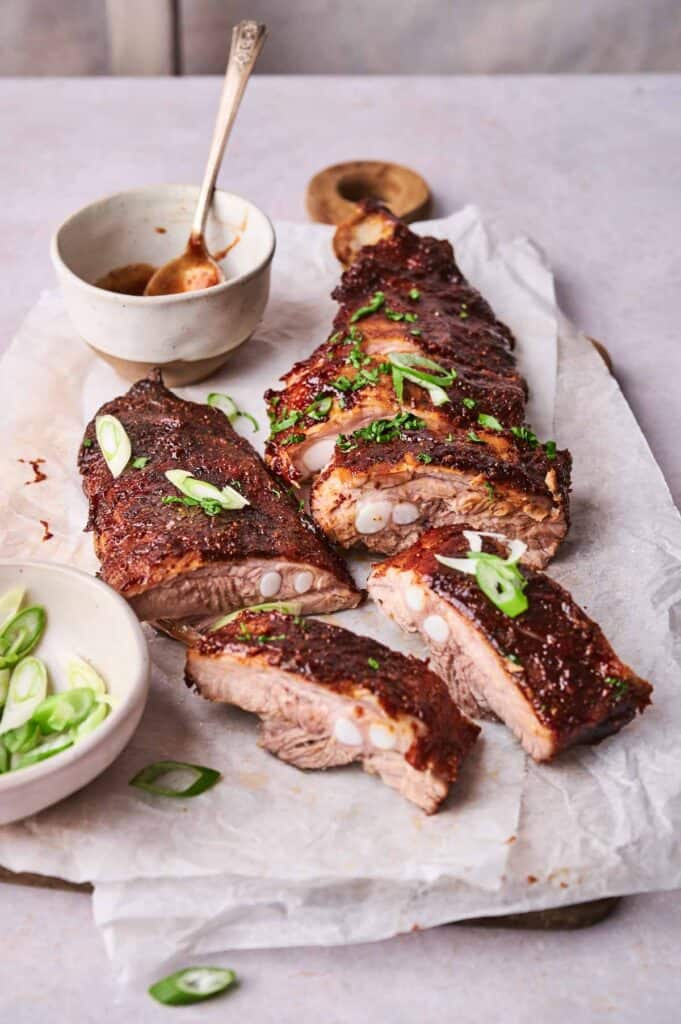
[[35, 724]]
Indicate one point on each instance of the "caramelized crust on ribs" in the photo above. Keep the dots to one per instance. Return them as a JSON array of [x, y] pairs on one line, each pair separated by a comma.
[[175, 562], [327, 696], [549, 674]]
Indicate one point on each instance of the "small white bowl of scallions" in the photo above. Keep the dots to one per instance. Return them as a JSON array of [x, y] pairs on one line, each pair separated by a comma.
[[74, 679]]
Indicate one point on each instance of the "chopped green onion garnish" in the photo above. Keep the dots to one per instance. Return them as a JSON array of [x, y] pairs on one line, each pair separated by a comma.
[[374, 304], [470, 403], [499, 579], [80, 673], [288, 419], [87, 443], [63, 710], [226, 404], [373, 664], [27, 688], [292, 439], [4, 760], [201, 491], [381, 431], [21, 634], [472, 436], [406, 366], [114, 443], [490, 422], [424, 457], [140, 462], [50, 747], [204, 778], [525, 434], [10, 603], [320, 408], [550, 449], [502, 583], [620, 686], [414, 294], [192, 985], [285, 607]]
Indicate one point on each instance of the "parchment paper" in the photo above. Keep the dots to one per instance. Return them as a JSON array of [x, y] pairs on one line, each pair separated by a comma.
[[274, 856]]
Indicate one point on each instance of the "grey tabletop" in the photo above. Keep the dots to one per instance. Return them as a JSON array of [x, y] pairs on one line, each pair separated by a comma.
[[590, 168]]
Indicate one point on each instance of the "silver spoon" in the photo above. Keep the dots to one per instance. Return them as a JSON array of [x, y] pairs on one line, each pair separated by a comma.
[[196, 268]]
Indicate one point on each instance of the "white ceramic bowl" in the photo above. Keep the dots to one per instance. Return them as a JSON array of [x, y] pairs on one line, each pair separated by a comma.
[[190, 333], [87, 618]]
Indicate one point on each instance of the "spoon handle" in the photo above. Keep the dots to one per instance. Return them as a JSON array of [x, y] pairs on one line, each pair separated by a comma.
[[248, 38]]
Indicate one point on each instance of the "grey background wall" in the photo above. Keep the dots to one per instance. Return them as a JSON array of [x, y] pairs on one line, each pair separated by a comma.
[[70, 37]]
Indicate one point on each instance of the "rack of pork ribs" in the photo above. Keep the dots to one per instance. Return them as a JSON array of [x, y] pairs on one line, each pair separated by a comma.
[[384, 467]]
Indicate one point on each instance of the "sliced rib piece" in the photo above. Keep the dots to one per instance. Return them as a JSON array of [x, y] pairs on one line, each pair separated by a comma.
[[175, 562], [384, 494], [425, 307], [549, 674], [336, 398], [329, 697]]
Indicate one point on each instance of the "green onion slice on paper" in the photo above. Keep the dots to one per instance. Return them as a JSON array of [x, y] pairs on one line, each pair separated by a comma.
[[201, 490], [192, 985], [114, 443], [202, 778]]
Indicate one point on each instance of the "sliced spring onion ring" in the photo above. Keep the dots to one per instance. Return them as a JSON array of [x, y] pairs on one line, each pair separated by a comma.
[[499, 579], [21, 634], [461, 564], [226, 404], [503, 584], [22, 739], [94, 719], [27, 689], [201, 490], [50, 747], [114, 443], [516, 550], [10, 603], [80, 673], [63, 710], [5, 674], [405, 365], [285, 607], [204, 778], [192, 985]]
